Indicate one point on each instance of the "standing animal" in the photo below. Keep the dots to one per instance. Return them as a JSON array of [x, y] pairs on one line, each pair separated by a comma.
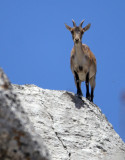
[[82, 61]]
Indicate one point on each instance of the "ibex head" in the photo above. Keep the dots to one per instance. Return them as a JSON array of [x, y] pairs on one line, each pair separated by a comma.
[[77, 31]]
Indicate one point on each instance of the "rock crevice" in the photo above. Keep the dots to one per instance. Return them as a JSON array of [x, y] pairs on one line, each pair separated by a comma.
[[59, 138]]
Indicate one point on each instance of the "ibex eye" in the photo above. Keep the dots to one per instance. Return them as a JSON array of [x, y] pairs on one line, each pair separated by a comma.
[[82, 32]]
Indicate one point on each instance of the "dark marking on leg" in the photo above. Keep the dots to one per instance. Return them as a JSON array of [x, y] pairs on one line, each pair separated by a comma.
[[73, 56], [92, 94], [87, 86], [80, 68], [79, 92]]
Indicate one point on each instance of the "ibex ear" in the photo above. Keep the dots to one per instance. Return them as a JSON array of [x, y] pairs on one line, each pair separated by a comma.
[[86, 27], [68, 27]]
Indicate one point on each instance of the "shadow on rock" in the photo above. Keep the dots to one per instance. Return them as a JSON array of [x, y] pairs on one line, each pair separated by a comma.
[[78, 102]]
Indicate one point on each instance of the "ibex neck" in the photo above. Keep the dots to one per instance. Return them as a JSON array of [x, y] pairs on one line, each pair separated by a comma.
[[78, 48]]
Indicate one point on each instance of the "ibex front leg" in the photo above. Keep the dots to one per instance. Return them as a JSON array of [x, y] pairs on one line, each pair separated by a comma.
[[78, 84], [87, 87]]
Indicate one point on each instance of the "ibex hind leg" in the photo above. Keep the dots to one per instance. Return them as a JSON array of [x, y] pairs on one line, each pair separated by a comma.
[[92, 84], [78, 85], [87, 87]]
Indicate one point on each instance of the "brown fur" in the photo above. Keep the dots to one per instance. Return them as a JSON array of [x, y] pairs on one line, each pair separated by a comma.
[[90, 58], [82, 60]]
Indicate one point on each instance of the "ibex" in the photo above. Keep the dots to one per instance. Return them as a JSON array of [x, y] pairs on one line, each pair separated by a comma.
[[82, 61]]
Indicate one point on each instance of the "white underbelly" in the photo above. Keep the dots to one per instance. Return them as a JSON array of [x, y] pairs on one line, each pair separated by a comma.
[[82, 76], [82, 66]]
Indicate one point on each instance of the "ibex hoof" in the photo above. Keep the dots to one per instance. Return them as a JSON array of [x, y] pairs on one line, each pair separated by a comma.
[[88, 97], [79, 95]]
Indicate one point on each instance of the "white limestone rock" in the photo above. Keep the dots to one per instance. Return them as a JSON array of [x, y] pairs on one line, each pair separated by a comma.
[[18, 139], [72, 129]]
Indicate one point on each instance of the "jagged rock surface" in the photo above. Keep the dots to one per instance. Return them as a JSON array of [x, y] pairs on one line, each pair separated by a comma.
[[71, 128], [18, 139]]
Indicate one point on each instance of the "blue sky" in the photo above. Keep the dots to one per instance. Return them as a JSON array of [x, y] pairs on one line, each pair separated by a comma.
[[35, 47]]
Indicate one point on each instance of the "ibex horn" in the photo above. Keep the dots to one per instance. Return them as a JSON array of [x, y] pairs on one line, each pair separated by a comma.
[[82, 23], [74, 24]]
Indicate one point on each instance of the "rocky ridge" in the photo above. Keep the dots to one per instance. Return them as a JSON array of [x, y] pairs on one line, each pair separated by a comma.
[[41, 124], [18, 139], [71, 128]]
